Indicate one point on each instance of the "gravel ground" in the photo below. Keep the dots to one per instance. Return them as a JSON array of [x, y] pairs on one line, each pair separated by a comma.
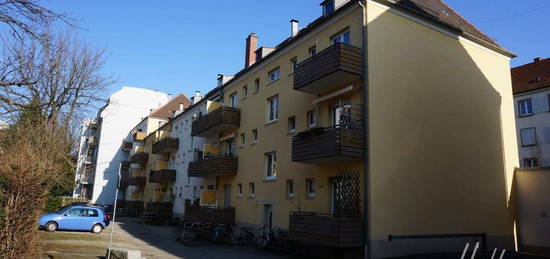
[[152, 241]]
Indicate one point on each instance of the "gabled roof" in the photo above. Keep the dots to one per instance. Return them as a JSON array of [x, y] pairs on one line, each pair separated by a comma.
[[166, 110], [439, 11], [531, 76]]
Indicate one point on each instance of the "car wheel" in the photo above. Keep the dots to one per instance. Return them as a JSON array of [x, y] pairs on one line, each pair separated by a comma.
[[51, 226], [96, 229]]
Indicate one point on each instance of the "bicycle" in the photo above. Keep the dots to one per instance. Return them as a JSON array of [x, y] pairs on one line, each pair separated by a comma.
[[190, 232], [219, 234], [240, 235], [266, 239]]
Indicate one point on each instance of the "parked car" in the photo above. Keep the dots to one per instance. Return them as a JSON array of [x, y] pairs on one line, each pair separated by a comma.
[[78, 217]]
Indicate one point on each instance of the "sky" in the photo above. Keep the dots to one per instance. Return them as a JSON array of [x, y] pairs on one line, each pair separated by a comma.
[[179, 46]]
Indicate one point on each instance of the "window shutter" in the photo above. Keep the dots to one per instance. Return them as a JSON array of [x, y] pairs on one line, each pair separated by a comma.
[[528, 136], [546, 134]]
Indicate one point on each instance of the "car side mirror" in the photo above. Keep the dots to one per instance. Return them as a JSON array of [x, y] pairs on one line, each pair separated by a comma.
[[65, 215]]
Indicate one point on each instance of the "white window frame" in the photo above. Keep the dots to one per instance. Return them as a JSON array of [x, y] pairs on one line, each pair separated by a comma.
[[289, 190], [251, 190], [274, 75], [530, 162], [245, 91], [271, 165], [525, 107], [254, 136], [242, 139], [273, 103], [293, 64], [310, 187], [256, 85], [233, 100], [340, 38], [293, 128], [239, 190], [312, 51], [521, 132], [311, 123]]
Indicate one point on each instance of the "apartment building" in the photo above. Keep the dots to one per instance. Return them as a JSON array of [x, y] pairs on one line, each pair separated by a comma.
[[100, 152], [381, 125], [531, 84], [145, 176]]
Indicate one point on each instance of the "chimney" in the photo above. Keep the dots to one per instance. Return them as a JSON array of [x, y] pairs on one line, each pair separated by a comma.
[[537, 59], [251, 46], [222, 79], [293, 27], [195, 99]]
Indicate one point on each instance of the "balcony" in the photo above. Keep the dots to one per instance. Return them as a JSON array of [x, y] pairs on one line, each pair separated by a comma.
[[221, 119], [92, 141], [137, 181], [139, 158], [213, 166], [326, 230], [87, 179], [162, 176], [127, 146], [210, 215], [166, 145], [327, 145], [335, 67], [139, 136]]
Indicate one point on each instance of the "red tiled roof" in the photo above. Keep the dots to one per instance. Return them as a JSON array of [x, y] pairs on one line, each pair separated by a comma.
[[167, 109], [531, 76]]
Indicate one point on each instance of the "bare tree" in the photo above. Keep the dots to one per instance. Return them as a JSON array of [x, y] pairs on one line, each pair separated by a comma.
[[28, 17]]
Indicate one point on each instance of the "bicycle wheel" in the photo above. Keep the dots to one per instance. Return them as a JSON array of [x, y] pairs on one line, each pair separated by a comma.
[[261, 242], [187, 236]]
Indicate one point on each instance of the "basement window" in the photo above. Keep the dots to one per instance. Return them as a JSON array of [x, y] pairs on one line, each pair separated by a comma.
[[530, 162]]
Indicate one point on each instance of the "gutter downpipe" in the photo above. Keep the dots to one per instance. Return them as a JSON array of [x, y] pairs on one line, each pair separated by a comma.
[[366, 108]]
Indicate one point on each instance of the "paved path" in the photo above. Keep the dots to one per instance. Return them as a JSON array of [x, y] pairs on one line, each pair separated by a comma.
[[152, 241]]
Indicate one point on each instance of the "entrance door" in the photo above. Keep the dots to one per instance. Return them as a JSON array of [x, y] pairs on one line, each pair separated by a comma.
[[227, 195], [268, 215]]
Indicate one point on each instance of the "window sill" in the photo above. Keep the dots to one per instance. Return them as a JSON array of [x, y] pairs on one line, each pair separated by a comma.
[[244, 98], [253, 143], [309, 197], [290, 197], [239, 197], [241, 146], [291, 74], [291, 133], [525, 115], [534, 145], [272, 82], [251, 196], [271, 122], [271, 179]]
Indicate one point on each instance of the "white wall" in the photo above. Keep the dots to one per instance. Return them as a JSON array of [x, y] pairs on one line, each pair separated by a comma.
[[187, 187], [541, 121], [126, 108]]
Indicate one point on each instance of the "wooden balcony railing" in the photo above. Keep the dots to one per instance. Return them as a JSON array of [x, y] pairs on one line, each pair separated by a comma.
[[221, 119], [139, 136], [127, 146], [162, 176], [210, 215], [213, 166], [325, 145], [335, 67], [326, 230], [139, 158], [137, 181], [166, 145]]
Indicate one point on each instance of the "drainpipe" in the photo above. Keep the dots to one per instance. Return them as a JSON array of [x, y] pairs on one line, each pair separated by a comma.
[[366, 203]]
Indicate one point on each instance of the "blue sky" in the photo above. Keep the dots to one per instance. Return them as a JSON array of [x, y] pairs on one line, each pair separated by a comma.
[[180, 46]]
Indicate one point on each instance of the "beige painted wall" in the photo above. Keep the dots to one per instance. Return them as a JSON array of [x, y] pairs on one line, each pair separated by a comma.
[[442, 136]]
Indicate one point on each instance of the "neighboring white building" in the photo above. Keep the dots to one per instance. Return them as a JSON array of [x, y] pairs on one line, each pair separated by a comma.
[[531, 84], [124, 109], [187, 187]]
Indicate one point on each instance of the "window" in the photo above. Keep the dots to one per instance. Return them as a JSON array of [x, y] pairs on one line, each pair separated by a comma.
[[254, 136], [312, 51], [256, 85], [251, 190], [525, 107], [293, 64], [274, 75], [245, 91], [328, 7], [530, 162], [310, 188], [291, 124], [528, 137], [549, 102], [243, 139], [76, 213], [311, 120], [343, 37], [240, 189], [273, 108], [290, 188], [92, 213], [233, 100], [271, 165], [341, 113], [230, 147]]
